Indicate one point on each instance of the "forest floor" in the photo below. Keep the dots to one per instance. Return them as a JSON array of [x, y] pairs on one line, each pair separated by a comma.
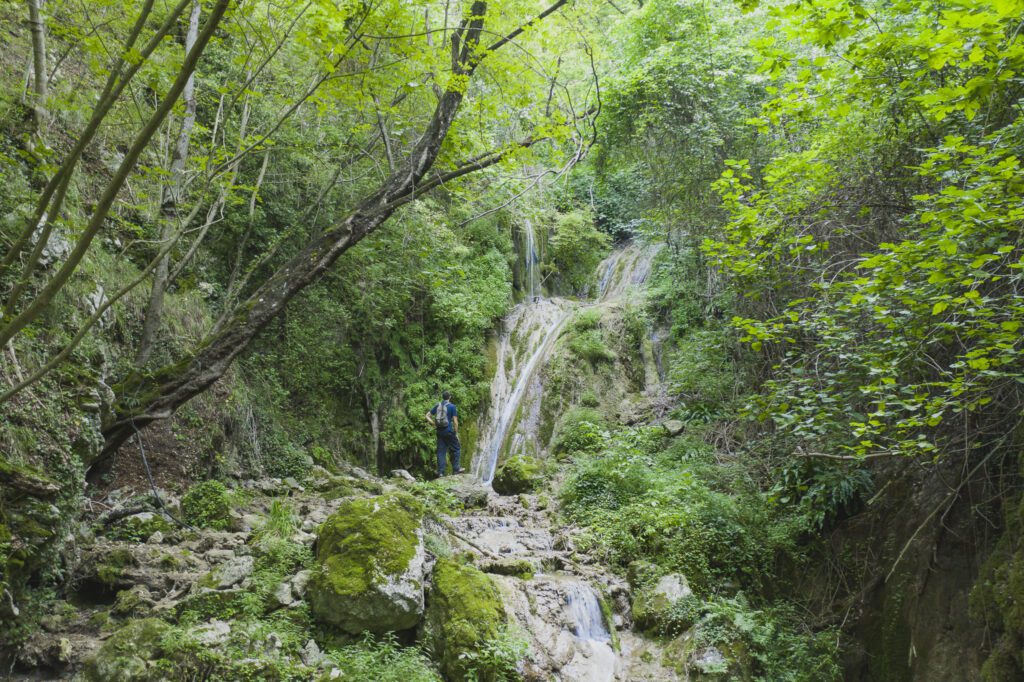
[[573, 613]]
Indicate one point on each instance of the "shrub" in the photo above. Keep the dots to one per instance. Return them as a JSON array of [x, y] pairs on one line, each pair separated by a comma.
[[579, 431], [590, 346], [207, 505], [585, 320]]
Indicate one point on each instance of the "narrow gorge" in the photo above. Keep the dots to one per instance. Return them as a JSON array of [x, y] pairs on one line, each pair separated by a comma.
[[727, 297]]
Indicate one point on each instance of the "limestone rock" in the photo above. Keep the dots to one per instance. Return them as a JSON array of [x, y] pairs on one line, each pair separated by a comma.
[[651, 605], [519, 474], [299, 583], [522, 568], [311, 654], [404, 475], [128, 654], [231, 572], [467, 489], [708, 663], [673, 427], [214, 632], [283, 594], [369, 566]]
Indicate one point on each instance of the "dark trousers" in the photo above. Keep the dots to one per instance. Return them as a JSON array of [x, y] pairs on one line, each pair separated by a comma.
[[447, 440]]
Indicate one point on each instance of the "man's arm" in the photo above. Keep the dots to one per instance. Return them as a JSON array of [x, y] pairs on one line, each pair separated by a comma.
[[429, 418], [455, 422]]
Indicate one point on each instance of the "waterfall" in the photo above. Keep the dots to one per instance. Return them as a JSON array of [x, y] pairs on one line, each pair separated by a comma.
[[628, 266], [584, 611], [528, 334], [527, 337]]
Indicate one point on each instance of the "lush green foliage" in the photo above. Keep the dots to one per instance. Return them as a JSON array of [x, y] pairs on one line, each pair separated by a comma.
[[208, 505]]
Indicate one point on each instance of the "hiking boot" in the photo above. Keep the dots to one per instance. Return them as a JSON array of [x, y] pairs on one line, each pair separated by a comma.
[[459, 471]]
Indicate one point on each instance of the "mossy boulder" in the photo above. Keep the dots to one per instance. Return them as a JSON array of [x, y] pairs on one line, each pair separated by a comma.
[[140, 526], [464, 615], [691, 655], [129, 655], [369, 566], [652, 605], [519, 474]]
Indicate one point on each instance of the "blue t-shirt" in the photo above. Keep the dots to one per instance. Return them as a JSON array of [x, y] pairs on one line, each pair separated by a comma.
[[452, 411]]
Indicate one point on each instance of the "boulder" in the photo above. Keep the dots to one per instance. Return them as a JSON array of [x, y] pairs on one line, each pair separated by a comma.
[[673, 427], [230, 573], [369, 569], [129, 654], [690, 654], [651, 605], [403, 475], [520, 568], [283, 595], [465, 613], [519, 474], [299, 583], [467, 489]]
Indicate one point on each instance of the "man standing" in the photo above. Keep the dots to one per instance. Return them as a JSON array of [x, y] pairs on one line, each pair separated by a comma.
[[444, 417]]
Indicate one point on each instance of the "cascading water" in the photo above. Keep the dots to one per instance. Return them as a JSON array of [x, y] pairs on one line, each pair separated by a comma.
[[528, 335], [628, 266], [570, 639], [584, 612]]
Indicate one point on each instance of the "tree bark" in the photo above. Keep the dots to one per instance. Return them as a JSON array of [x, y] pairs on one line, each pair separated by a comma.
[[171, 200], [39, 78]]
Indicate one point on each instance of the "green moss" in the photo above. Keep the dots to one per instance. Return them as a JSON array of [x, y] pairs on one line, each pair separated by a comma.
[[129, 654], [140, 526], [207, 505], [518, 568], [207, 605], [339, 491], [465, 615], [997, 598], [368, 540], [109, 572], [365, 543], [519, 474], [606, 614]]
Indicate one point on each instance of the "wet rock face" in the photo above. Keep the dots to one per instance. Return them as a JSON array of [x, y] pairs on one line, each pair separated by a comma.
[[369, 566], [519, 474]]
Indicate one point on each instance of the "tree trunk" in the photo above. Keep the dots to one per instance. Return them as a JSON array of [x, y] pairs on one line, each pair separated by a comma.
[[59, 280], [39, 78], [171, 200], [143, 399]]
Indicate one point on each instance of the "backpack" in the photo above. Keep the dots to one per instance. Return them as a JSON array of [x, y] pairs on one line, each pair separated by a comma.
[[441, 420]]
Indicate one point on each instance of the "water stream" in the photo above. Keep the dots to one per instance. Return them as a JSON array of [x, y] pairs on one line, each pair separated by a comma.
[[558, 607], [532, 260], [584, 611]]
